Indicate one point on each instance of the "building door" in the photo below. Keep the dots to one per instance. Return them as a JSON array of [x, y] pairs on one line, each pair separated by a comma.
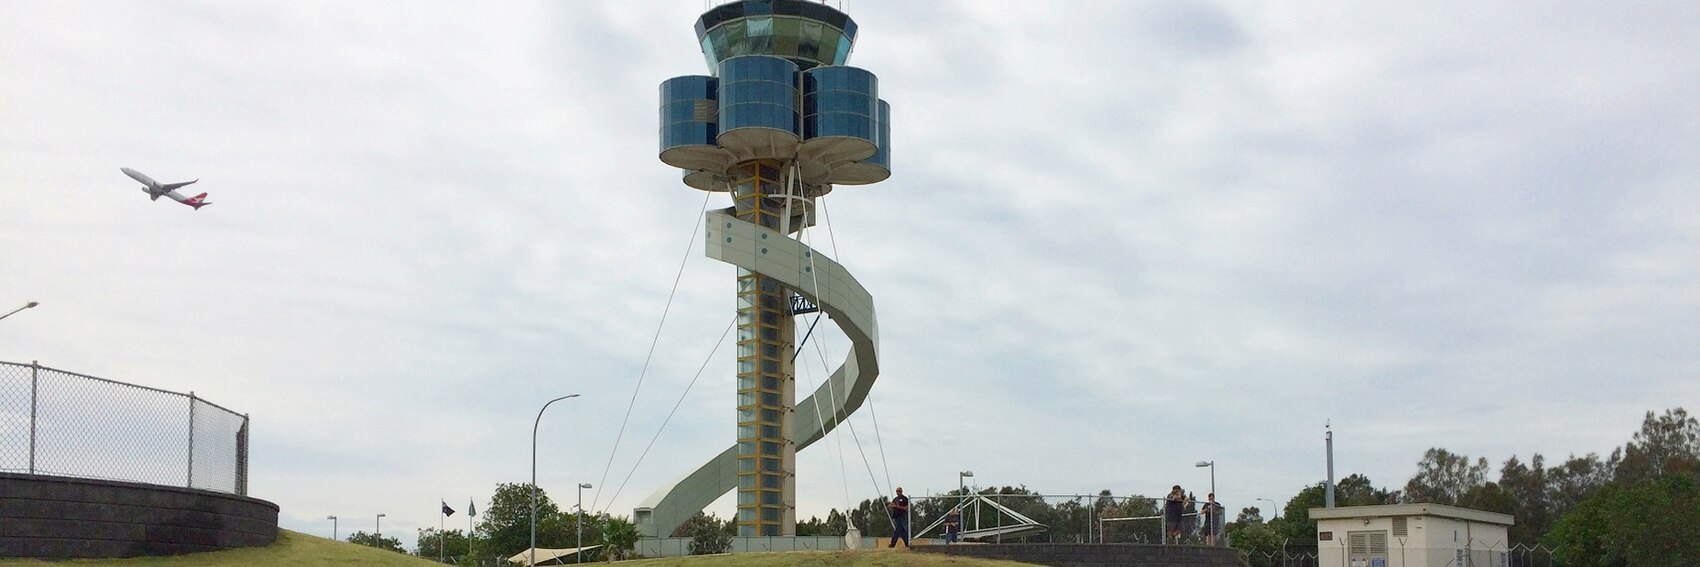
[[1366, 549]]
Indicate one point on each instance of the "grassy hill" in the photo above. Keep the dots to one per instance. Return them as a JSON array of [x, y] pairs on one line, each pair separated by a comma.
[[292, 548], [295, 548]]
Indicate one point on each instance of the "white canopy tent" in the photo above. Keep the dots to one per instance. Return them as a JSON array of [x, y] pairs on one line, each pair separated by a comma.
[[554, 556]]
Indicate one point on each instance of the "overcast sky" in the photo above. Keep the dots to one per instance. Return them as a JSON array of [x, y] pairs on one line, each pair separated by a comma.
[[1119, 238]]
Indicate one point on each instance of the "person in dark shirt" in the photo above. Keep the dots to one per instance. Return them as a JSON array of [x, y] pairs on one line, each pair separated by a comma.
[[899, 519], [1173, 506], [953, 525], [1212, 514]]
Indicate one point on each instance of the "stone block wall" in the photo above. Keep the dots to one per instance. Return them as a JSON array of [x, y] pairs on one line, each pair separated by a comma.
[[1095, 554], [50, 517]]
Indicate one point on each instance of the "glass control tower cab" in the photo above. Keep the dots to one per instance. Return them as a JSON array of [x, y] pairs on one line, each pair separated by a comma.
[[780, 121]]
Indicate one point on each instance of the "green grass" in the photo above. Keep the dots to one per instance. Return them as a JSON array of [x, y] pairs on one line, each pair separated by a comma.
[[295, 548], [292, 548]]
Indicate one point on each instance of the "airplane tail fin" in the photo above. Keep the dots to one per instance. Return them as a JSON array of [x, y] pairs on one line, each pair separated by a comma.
[[197, 201], [172, 186]]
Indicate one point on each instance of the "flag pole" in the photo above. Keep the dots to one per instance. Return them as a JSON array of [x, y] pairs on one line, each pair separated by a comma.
[[441, 518]]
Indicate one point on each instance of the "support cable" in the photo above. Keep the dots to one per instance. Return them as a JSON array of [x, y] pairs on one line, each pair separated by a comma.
[[832, 391], [843, 478], [814, 280], [696, 226], [675, 409], [884, 464], [878, 441], [852, 425]]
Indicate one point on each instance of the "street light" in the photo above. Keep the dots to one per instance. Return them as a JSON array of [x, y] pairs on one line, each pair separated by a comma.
[[26, 306], [1272, 508], [963, 486], [1212, 465], [534, 473], [580, 551], [333, 526], [379, 528]]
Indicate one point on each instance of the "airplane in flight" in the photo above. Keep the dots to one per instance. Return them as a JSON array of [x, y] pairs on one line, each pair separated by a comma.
[[155, 189]]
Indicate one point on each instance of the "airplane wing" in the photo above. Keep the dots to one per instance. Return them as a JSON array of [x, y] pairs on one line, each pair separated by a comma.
[[171, 186]]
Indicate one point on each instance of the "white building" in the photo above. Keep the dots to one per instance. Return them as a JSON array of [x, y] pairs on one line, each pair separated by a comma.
[[1411, 535]]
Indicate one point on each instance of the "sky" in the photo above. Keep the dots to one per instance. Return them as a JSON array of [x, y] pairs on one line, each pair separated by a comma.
[[1119, 238]]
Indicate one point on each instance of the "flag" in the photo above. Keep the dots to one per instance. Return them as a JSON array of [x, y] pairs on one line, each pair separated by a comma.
[[470, 511], [447, 511]]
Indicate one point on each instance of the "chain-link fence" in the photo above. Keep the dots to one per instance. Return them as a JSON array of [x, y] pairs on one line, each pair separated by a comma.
[[1398, 551], [59, 423], [1289, 554]]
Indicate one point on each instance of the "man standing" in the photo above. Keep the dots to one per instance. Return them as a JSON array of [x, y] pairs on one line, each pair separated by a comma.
[[899, 519], [1212, 519], [1173, 505], [953, 525]]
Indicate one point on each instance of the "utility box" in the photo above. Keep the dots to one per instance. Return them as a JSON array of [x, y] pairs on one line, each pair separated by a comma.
[[1411, 535]]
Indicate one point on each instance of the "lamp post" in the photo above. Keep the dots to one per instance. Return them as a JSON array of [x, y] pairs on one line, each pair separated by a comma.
[[1212, 465], [26, 306], [534, 424], [580, 545], [1272, 508], [379, 528], [962, 486], [333, 526]]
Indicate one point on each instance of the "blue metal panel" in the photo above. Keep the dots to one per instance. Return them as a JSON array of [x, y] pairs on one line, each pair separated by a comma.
[[840, 102], [758, 91], [688, 112], [882, 157]]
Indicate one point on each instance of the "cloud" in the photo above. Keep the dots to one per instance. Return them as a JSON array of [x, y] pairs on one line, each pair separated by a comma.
[[1119, 238]]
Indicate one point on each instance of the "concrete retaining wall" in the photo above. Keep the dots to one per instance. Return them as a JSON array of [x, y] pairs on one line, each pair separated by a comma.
[[1095, 554], [52, 517]]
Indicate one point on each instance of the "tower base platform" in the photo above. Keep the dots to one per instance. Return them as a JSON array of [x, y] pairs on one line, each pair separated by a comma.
[[1094, 554]]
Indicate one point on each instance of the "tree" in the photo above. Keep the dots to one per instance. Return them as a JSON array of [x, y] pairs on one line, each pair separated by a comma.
[[453, 543], [1576, 480], [620, 536], [1257, 542], [1444, 477], [834, 525], [1248, 515], [1667, 444], [872, 518], [1358, 490], [1135, 506], [380, 542], [708, 534], [1653, 522], [1490, 497], [506, 526], [1526, 486], [1296, 524]]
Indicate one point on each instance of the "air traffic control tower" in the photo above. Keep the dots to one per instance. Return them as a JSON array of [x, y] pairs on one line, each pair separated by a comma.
[[779, 123]]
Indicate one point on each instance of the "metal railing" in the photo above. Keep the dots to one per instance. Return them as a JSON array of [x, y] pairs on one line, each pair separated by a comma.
[[59, 423], [1072, 518]]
